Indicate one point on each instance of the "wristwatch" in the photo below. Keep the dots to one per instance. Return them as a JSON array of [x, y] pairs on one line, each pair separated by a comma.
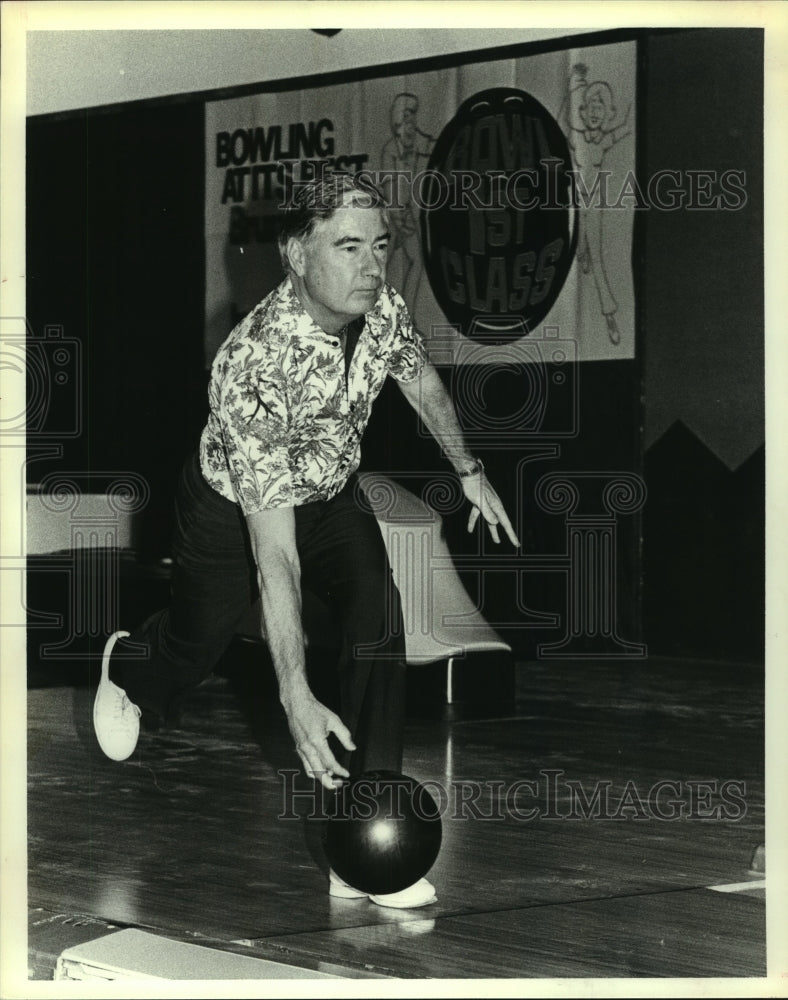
[[478, 466]]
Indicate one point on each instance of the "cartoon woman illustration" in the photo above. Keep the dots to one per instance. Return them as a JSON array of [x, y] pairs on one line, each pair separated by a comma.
[[587, 117]]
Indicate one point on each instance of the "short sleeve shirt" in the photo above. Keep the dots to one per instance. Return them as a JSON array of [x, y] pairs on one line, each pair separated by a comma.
[[286, 422]]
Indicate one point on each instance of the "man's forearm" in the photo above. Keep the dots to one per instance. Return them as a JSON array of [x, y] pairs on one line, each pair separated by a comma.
[[280, 598], [428, 396], [310, 722], [272, 537], [436, 409]]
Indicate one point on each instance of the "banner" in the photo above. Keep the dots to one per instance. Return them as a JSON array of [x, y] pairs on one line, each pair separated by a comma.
[[512, 192]]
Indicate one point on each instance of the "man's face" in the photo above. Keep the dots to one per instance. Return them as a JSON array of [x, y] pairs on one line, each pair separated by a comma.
[[339, 270]]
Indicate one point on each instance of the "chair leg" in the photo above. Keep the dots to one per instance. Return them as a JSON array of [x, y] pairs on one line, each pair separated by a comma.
[[450, 681]]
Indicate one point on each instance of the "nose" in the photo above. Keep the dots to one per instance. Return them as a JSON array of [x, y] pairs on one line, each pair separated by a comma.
[[372, 265]]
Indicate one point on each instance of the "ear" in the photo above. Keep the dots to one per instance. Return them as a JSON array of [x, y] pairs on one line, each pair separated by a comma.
[[296, 254]]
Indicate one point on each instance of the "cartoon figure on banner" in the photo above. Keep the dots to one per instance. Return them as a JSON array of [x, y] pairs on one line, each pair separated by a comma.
[[408, 150], [587, 117]]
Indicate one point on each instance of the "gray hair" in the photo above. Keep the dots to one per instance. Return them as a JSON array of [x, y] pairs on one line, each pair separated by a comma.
[[319, 199]]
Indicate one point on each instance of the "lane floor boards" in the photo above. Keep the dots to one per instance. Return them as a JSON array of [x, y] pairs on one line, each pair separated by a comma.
[[580, 831]]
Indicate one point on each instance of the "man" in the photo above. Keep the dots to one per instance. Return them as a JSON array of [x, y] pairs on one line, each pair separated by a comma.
[[273, 490]]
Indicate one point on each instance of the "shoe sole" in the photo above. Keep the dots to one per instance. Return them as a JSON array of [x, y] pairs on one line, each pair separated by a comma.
[[105, 677], [402, 906], [104, 750], [348, 892]]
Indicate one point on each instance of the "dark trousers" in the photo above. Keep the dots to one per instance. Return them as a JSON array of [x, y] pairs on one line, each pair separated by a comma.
[[343, 561]]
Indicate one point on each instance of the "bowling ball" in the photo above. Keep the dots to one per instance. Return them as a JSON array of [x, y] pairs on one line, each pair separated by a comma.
[[384, 832]]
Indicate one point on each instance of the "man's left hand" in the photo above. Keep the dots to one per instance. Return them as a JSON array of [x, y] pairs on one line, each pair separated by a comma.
[[485, 501]]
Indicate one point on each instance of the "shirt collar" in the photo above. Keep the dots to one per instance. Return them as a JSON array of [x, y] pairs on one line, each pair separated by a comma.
[[305, 326]]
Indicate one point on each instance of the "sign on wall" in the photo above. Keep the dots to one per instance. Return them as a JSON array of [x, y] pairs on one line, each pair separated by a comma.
[[511, 185]]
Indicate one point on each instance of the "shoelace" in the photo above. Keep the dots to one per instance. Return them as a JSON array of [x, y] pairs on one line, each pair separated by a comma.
[[124, 705]]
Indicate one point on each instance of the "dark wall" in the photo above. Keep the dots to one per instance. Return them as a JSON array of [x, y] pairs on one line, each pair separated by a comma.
[[115, 257], [703, 279], [703, 354]]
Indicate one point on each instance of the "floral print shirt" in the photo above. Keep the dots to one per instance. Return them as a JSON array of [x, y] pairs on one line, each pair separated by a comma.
[[285, 421]]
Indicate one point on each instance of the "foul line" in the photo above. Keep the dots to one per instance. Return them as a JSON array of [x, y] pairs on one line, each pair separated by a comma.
[[737, 886]]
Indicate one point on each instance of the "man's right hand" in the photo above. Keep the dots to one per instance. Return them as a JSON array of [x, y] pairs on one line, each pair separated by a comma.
[[310, 724]]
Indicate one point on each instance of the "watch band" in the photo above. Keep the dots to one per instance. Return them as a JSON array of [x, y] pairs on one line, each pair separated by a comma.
[[478, 466]]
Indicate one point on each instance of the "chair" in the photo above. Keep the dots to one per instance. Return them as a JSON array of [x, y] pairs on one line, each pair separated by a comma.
[[454, 656]]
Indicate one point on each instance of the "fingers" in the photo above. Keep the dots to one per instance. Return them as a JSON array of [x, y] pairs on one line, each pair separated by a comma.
[[318, 774], [329, 781], [494, 515], [474, 517], [342, 733], [314, 750], [506, 524], [320, 764]]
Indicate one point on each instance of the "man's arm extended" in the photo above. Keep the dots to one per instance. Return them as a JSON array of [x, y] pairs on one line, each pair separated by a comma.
[[272, 534], [428, 396]]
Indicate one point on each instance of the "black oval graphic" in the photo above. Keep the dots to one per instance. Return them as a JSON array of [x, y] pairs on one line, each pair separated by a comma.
[[497, 222]]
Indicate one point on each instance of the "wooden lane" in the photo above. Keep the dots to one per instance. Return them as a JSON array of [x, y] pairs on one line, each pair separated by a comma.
[[694, 933], [623, 731], [194, 819], [185, 837]]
